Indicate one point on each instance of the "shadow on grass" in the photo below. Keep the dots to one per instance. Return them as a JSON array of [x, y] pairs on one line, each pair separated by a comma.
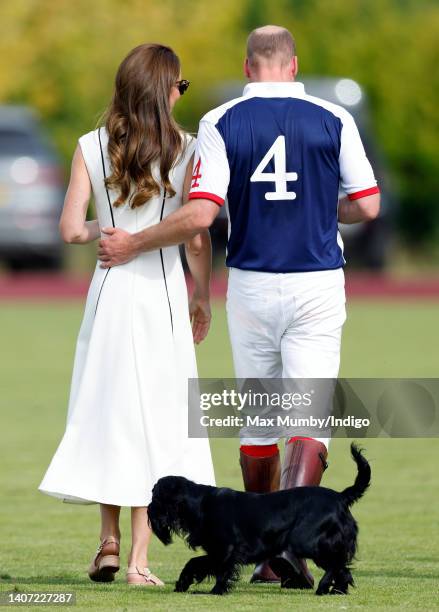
[[65, 581], [243, 587], [388, 573], [70, 581]]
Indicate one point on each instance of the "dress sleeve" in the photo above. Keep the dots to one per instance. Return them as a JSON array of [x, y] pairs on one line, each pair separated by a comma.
[[211, 174], [91, 152], [356, 174], [191, 143], [82, 142]]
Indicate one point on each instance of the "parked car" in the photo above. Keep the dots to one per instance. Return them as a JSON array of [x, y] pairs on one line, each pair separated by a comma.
[[31, 192], [366, 244]]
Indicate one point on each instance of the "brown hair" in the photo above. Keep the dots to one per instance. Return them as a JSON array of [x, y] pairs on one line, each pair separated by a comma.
[[270, 43], [140, 125]]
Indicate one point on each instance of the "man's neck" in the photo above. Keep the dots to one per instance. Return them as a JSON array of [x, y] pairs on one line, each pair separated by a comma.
[[271, 77]]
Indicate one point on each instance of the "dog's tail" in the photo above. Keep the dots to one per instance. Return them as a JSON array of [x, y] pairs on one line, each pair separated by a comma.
[[351, 494]]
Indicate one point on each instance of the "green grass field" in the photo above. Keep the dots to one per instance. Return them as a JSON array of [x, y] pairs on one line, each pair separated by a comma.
[[47, 545]]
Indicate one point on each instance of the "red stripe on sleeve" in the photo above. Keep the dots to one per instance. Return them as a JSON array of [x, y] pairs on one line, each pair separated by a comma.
[[363, 193], [204, 195]]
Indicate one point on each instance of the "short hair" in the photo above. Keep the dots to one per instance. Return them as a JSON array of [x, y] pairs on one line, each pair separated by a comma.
[[271, 44]]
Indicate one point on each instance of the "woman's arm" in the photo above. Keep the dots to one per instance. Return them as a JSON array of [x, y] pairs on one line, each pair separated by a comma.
[[200, 266], [199, 258], [72, 226]]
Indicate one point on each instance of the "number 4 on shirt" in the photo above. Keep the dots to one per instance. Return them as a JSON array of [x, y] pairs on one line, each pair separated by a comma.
[[280, 176], [197, 174]]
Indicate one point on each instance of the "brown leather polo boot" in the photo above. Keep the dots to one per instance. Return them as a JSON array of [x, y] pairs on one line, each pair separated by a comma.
[[304, 464], [261, 475]]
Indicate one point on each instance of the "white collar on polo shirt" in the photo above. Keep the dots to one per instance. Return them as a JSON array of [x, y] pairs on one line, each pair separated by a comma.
[[278, 89]]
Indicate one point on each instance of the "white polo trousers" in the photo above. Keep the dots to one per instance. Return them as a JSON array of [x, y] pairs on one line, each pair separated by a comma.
[[285, 325]]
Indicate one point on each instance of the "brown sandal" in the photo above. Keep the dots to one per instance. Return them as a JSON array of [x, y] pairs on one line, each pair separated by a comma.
[[106, 561], [145, 578]]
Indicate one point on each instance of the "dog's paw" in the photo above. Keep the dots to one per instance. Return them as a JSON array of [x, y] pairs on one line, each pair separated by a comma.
[[335, 591], [321, 592], [181, 587], [217, 591]]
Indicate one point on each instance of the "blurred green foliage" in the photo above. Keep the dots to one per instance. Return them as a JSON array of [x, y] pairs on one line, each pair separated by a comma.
[[60, 56]]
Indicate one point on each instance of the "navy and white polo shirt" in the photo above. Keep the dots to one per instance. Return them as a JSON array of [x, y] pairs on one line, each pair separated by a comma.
[[278, 156]]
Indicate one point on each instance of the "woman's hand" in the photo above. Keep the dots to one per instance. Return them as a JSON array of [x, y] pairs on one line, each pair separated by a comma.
[[200, 316]]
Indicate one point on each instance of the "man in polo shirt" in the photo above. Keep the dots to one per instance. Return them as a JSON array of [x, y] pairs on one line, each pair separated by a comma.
[[277, 156]]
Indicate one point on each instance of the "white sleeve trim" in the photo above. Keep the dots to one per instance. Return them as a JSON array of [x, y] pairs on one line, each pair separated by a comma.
[[356, 174], [211, 173]]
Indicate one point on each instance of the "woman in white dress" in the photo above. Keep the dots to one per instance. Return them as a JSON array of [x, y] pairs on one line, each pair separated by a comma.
[[128, 410]]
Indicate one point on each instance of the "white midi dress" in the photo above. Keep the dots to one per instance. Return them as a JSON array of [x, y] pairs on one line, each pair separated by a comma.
[[127, 417]]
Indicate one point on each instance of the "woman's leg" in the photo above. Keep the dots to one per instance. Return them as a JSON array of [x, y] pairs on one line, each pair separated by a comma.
[[110, 521], [105, 562], [140, 536]]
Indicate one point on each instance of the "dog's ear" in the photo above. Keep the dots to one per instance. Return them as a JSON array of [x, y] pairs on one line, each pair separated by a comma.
[[174, 508], [188, 511]]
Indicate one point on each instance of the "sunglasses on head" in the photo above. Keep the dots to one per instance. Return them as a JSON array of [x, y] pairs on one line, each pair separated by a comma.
[[182, 86]]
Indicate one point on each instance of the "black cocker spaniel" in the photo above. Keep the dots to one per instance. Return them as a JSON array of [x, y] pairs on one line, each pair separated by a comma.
[[236, 528]]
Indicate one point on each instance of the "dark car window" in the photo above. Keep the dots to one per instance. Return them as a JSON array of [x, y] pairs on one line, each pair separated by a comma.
[[16, 142]]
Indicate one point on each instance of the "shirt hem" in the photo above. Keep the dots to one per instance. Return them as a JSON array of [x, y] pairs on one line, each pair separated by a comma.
[[205, 195], [364, 192], [288, 271]]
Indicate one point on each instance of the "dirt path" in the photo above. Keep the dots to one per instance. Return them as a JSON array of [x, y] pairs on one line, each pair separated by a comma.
[[63, 287]]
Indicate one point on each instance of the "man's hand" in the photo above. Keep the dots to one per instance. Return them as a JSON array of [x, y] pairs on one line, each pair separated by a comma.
[[200, 315], [117, 249]]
